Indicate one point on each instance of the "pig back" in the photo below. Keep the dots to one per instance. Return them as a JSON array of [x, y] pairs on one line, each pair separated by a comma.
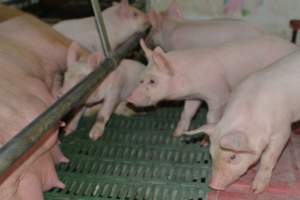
[[241, 58], [40, 38]]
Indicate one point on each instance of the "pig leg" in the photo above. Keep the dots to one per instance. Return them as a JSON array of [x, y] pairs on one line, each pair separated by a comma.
[[90, 111], [268, 161], [190, 109], [72, 125], [57, 86], [111, 100], [123, 109], [103, 116], [214, 114], [217, 102]]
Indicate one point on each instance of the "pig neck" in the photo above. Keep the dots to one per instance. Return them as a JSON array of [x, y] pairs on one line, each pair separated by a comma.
[[181, 87]]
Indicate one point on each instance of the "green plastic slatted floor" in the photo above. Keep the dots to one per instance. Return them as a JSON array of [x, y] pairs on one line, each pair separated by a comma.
[[136, 159]]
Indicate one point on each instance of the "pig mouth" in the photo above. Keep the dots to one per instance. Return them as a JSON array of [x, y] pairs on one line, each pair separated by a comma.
[[145, 102], [217, 187]]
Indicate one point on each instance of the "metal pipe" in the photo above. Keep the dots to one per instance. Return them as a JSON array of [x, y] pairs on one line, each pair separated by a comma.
[[294, 36], [101, 28], [32, 133]]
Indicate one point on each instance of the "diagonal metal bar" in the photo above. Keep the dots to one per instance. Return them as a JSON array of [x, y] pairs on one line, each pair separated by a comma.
[[32, 133]]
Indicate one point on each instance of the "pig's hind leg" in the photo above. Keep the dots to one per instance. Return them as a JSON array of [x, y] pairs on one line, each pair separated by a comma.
[[72, 125], [190, 109]]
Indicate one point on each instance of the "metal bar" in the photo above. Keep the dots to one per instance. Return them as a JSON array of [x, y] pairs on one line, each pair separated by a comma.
[[101, 28], [32, 133], [294, 36]]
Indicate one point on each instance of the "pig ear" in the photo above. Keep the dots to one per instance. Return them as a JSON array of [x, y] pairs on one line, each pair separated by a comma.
[[155, 19], [163, 65], [237, 141], [148, 52], [174, 10], [123, 10], [94, 60], [73, 54]]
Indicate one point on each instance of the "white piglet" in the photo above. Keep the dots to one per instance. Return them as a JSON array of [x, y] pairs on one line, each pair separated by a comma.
[[208, 74], [121, 21], [256, 124], [172, 32], [113, 91]]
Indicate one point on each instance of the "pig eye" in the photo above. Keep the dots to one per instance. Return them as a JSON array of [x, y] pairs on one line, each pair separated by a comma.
[[135, 14], [142, 81], [152, 81], [233, 157]]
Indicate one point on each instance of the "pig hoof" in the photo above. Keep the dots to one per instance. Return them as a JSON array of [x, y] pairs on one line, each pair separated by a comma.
[[62, 124], [177, 134], [64, 159], [259, 186], [70, 128], [124, 111], [204, 142], [68, 131], [96, 131]]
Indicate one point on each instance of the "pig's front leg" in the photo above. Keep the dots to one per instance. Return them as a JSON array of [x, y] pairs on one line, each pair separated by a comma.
[[57, 86], [268, 160], [189, 110], [103, 116], [72, 125]]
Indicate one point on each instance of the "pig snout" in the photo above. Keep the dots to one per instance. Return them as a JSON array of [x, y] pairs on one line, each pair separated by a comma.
[[222, 179], [214, 184], [135, 100], [141, 98]]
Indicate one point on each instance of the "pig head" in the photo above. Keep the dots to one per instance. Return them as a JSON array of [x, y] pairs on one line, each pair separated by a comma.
[[232, 152], [79, 66], [156, 81], [162, 22]]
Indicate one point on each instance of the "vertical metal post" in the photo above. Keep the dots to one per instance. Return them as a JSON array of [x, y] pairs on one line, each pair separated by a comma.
[[101, 28], [294, 36]]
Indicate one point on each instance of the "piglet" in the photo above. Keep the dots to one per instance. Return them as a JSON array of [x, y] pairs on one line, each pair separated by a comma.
[[208, 74], [256, 124], [172, 32], [113, 91], [121, 20]]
